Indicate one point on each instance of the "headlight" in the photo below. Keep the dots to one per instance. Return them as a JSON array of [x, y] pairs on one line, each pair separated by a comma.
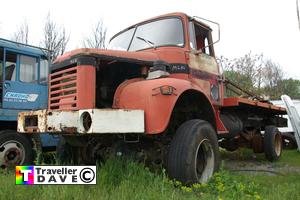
[[158, 70]]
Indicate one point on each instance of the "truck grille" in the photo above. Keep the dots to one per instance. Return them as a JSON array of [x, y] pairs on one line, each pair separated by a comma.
[[63, 89]]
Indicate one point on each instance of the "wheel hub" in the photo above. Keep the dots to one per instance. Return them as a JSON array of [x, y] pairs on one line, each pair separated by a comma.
[[278, 144], [11, 153], [205, 161]]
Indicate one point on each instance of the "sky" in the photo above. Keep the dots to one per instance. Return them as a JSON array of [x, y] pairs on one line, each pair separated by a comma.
[[260, 26]]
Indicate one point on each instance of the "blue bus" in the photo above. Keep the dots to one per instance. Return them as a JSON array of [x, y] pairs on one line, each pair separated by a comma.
[[23, 86]]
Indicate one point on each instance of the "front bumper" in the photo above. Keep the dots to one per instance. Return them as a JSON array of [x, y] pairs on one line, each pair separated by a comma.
[[99, 121]]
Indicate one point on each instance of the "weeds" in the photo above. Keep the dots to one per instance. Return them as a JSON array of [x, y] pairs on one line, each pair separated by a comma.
[[222, 186], [121, 178]]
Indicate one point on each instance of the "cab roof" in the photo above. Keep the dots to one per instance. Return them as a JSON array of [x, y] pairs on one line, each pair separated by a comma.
[[22, 48]]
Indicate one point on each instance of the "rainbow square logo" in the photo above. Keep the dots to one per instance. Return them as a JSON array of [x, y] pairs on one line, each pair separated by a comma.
[[24, 175]]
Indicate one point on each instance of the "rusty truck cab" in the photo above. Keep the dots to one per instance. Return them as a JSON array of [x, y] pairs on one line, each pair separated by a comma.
[[183, 42]]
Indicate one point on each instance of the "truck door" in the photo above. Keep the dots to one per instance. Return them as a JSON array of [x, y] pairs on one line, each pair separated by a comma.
[[203, 65], [23, 87]]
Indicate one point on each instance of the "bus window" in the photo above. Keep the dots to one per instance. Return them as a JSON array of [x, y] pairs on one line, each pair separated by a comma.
[[10, 66], [28, 69]]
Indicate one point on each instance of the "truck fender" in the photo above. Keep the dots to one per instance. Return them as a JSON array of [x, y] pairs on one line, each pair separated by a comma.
[[157, 98]]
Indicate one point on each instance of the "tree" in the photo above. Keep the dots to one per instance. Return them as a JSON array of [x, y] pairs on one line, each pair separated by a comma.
[[55, 38], [272, 76], [238, 78], [97, 37], [250, 66], [64, 42], [22, 34], [254, 74], [245, 70], [289, 87]]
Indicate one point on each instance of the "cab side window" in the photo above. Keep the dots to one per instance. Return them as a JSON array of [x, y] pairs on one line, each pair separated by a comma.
[[10, 66], [203, 58], [199, 38], [28, 69], [192, 36]]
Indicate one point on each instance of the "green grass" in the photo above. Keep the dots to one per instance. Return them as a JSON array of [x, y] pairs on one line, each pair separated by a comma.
[[126, 179], [291, 158]]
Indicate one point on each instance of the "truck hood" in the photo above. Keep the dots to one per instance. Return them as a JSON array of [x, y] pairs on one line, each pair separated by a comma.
[[140, 56]]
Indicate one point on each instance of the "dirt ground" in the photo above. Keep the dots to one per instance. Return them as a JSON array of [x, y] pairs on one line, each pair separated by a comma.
[[250, 163]]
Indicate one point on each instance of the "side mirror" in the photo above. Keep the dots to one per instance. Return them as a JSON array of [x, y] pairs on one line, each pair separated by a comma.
[[212, 22]]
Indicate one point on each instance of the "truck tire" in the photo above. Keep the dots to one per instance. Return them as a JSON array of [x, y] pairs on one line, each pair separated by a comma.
[[193, 153], [15, 149], [288, 141], [272, 143]]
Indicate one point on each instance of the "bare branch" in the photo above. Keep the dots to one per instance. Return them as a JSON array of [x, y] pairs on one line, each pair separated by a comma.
[[55, 38], [97, 37], [248, 66], [272, 74], [64, 41], [21, 35]]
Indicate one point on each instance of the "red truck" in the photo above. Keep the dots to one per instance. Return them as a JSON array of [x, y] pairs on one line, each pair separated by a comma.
[[158, 90]]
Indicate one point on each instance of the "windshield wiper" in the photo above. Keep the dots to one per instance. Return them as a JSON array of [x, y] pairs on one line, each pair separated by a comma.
[[151, 44]]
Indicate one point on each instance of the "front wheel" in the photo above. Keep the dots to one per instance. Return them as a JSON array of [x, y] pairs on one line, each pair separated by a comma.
[[193, 153], [15, 149]]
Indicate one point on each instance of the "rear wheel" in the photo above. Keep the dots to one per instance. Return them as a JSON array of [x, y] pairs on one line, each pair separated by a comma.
[[289, 141], [15, 149], [193, 153], [272, 143]]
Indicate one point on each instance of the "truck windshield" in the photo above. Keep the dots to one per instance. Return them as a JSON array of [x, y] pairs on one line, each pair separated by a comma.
[[164, 32]]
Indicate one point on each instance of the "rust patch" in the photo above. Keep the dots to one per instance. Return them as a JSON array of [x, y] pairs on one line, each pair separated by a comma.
[[32, 129], [70, 129], [204, 63], [51, 129]]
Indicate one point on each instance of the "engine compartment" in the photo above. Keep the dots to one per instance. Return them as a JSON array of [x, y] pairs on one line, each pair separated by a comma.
[[110, 75]]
